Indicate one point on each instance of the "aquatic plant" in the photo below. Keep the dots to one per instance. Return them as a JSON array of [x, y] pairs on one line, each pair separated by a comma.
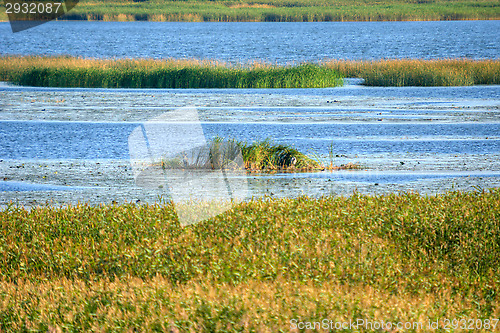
[[416, 72], [264, 155], [220, 153], [191, 73], [148, 73], [395, 257]]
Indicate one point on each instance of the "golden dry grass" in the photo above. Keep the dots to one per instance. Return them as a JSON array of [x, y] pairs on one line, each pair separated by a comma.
[[132, 304]]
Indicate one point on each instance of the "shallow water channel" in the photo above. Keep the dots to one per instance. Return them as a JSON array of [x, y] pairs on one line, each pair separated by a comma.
[[63, 146]]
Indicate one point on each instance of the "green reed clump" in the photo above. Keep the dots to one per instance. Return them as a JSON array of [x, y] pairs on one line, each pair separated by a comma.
[[220, 153], [264, 155], [78, 72], [415, 72], [395, 257]]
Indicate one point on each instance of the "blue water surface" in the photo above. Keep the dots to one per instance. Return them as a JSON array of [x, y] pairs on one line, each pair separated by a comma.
[[90, 140], [267, 41]]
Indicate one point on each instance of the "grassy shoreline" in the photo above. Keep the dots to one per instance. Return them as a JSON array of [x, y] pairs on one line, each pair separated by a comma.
[[398, 257], [282, 10], [63, 71]]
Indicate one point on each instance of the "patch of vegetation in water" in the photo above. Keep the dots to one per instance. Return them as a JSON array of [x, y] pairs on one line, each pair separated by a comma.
[[417, 72], [282, 10], [176, 73], [148, 73], [258, 156]]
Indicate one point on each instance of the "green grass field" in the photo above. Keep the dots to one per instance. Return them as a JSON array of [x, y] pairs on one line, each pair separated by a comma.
[[283, 10], [398, 257], [144, 73]]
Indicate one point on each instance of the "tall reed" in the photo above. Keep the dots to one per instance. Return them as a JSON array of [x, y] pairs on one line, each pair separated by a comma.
[[415, 72], [142, 73], [264, 155], [220, 153], [191, 73]]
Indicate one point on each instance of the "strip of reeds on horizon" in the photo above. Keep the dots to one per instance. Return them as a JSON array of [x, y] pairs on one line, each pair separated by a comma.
[[150, 73], [282, 10]]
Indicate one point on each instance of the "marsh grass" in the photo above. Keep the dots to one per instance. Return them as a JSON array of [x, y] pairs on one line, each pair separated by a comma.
[[396, 257], [257, 156], [78, 72], [415, 72], [143, 73], [220, 153], [267, 156], [282, 10]]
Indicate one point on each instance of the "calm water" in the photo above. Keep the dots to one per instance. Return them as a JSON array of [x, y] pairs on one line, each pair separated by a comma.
[[94, 141], [69, 145], [274, 42]]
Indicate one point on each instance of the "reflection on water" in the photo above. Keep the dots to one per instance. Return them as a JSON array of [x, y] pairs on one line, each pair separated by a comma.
[[12, 186], [202, 178]]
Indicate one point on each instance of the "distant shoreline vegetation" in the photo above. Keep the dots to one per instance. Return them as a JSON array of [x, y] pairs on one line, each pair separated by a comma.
[[282, 10], [62, 71]]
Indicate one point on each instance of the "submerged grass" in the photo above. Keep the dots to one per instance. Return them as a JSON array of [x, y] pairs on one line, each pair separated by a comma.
[[79, 72], [397, 257], [415, 72], [142, 73], [282, 10]]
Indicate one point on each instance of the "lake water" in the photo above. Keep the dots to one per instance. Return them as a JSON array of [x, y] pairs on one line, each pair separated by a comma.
[[273, 42], [69, 145]]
